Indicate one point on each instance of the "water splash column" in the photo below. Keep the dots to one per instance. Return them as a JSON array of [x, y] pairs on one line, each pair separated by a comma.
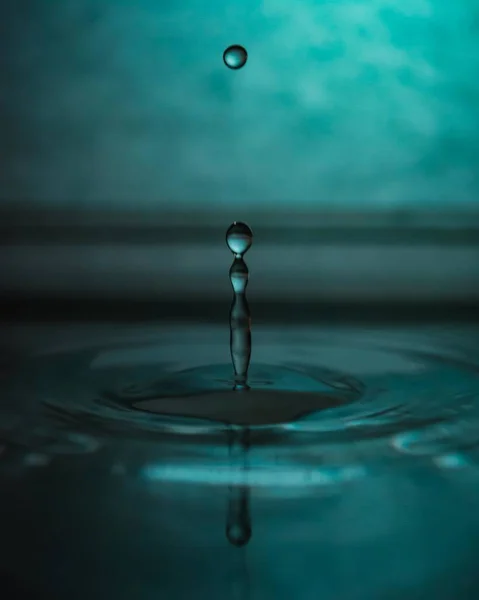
[[239, 238]]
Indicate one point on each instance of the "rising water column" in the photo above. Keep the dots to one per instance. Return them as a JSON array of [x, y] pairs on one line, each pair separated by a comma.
[[239, 238]]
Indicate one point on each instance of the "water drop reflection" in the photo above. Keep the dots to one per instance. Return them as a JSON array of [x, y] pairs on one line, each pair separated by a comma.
[[238, 523]]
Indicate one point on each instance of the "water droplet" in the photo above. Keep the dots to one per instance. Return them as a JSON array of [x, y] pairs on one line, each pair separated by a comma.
[[239, 276], [238, 534], [235, 57], [239, 238]]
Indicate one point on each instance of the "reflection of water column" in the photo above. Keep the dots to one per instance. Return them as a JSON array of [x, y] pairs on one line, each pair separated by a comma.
[[238, 522], [239, 238]]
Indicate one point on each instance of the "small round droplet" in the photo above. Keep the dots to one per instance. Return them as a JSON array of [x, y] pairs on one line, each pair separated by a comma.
[[235, 57], [239, 238], [238, 534]]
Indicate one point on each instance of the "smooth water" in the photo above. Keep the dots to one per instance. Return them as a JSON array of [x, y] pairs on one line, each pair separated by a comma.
[[347, 471]]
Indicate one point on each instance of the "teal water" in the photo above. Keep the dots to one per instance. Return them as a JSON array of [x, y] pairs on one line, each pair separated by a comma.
[[370, 494]]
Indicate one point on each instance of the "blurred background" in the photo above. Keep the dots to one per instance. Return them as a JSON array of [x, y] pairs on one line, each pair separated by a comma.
[[349, 142]]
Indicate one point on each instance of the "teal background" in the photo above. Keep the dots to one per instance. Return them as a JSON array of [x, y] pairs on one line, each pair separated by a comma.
[[347, 105]]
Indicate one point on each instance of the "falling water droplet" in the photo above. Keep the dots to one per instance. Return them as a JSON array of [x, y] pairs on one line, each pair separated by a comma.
[[235, 57], [239, 238]]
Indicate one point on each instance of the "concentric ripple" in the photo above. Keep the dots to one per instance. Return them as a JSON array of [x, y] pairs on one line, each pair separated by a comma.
[[343, 398]]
